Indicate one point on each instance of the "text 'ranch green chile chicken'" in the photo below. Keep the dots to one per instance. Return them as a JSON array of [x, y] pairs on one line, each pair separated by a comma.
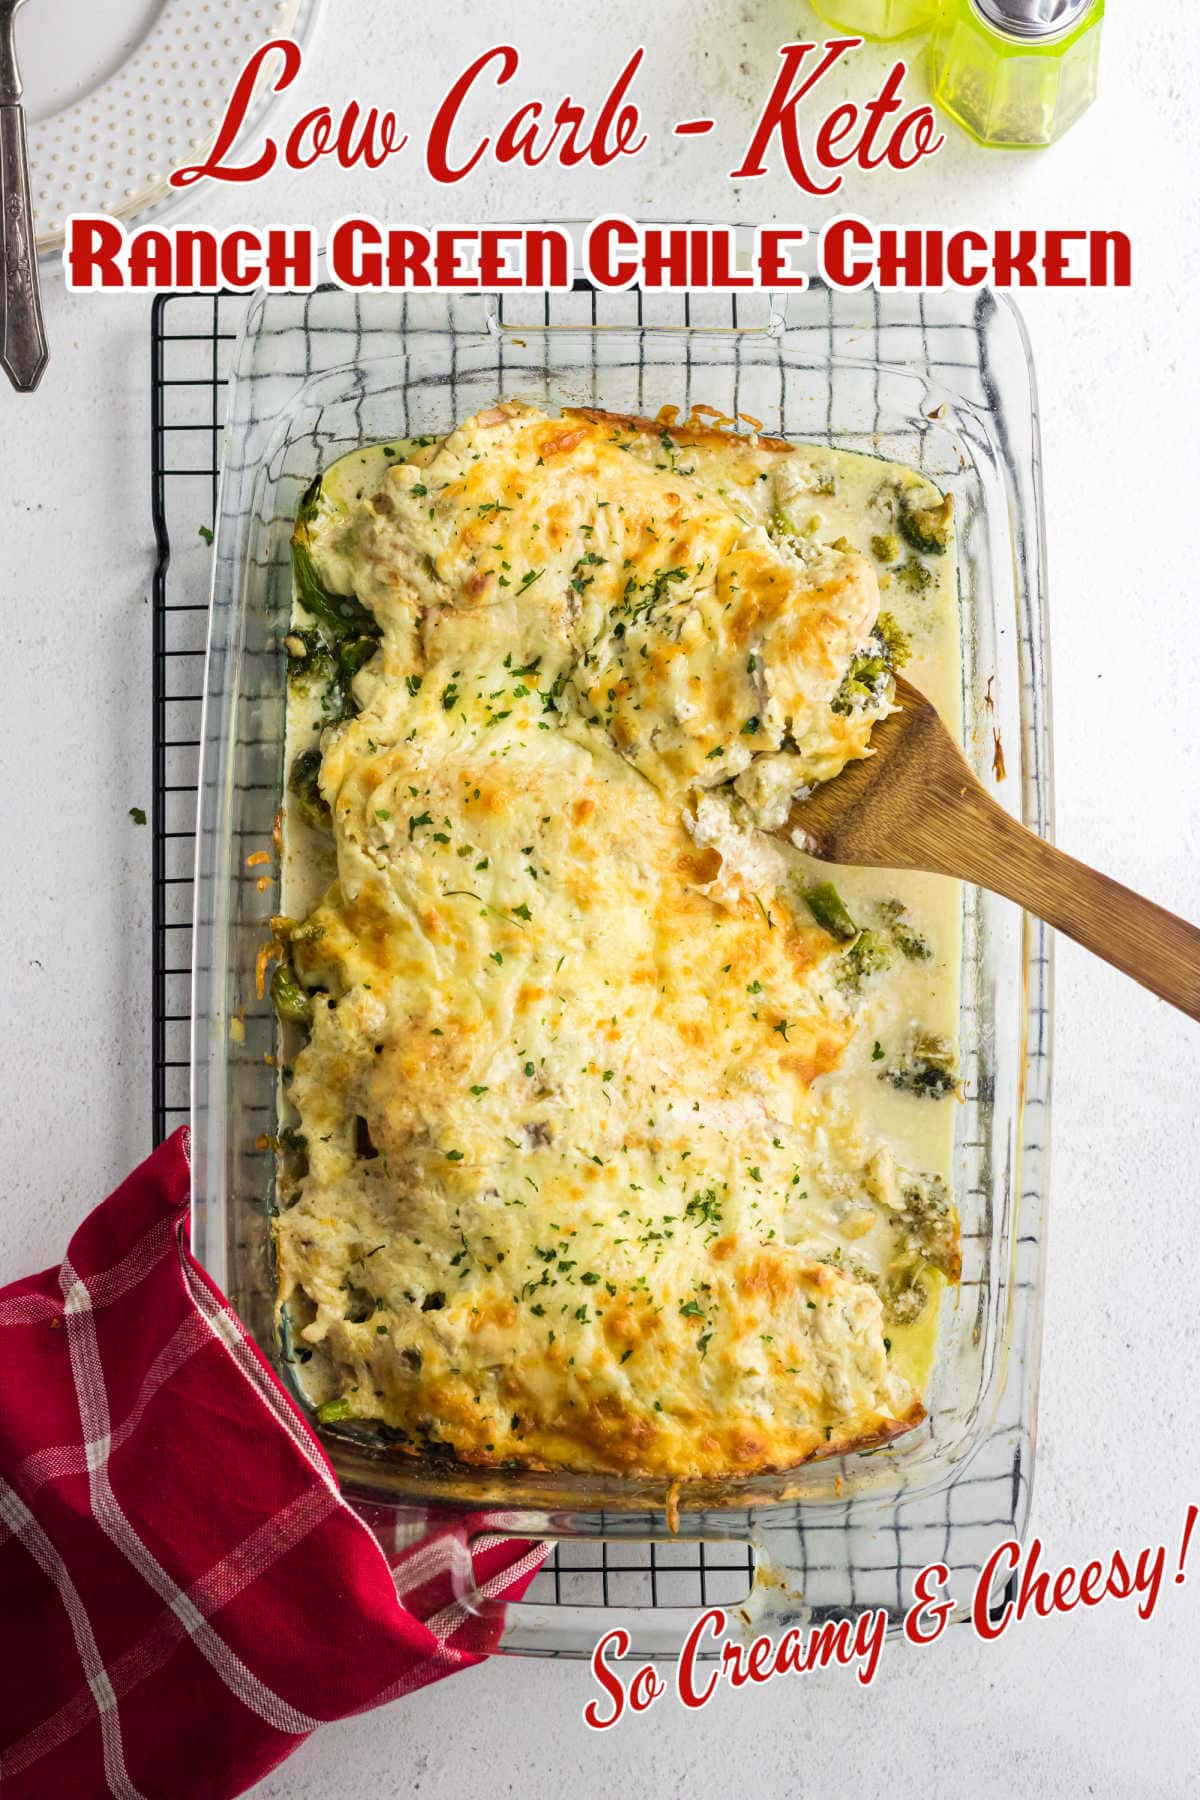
[[620, 1134]]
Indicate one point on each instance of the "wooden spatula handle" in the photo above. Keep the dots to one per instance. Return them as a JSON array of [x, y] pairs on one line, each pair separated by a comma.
[[1156, 947]]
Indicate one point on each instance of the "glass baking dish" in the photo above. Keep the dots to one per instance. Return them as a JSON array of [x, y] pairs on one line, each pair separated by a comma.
[[943, 382]]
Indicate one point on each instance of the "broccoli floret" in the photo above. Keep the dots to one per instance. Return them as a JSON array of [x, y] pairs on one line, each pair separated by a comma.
[[291, 1002], [904, 1297], [315, 662], [332, 1410], [314, 666], [929, 1224], [885, 547], [868, 680], [869, 953], [928, 1067], [784, 524], [903, 932], [913, 575], [896, 642], [903, 1293], [926, 528], [310, 660], [926, 1238], [304, 784], [829, 910]]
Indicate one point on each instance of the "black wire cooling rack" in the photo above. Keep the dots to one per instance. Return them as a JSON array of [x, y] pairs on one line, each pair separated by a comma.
[[191, 344], [192, 347]]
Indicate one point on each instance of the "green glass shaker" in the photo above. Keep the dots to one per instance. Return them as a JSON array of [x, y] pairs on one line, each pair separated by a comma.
[[876, 18], [1016, 74]]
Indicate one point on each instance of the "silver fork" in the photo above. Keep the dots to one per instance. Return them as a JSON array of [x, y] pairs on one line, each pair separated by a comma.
[[24, 352]]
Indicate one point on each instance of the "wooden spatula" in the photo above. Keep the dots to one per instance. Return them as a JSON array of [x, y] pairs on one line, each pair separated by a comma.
[[915, 804]]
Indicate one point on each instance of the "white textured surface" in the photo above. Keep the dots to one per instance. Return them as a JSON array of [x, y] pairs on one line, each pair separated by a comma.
[[1095, 1704]]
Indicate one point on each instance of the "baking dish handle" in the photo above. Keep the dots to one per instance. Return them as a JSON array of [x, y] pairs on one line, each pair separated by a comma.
[[481, 1556], [769, 319]]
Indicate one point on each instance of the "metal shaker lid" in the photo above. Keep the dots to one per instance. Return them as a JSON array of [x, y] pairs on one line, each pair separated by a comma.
[[1036, 20]]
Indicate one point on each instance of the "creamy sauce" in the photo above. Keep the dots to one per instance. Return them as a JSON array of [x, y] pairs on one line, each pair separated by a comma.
[[910, 992]]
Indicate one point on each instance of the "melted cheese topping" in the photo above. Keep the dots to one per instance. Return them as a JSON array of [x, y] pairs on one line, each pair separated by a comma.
[[580, 1187]]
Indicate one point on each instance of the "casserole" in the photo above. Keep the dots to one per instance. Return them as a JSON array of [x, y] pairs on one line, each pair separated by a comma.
[[603, 1157], [941, 383]]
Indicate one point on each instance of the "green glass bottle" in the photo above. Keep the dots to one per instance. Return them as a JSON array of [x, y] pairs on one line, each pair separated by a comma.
[[1016, 74], [876, 18]]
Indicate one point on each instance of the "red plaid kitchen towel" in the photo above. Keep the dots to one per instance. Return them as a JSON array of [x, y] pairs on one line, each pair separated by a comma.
[[184, 1594]]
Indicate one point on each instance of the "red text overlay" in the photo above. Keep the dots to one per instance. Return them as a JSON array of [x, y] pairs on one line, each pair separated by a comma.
[[366, 255], [719, 1652], [796, 130]]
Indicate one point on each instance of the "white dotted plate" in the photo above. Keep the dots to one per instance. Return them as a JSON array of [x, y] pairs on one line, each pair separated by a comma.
[[113, 150]]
